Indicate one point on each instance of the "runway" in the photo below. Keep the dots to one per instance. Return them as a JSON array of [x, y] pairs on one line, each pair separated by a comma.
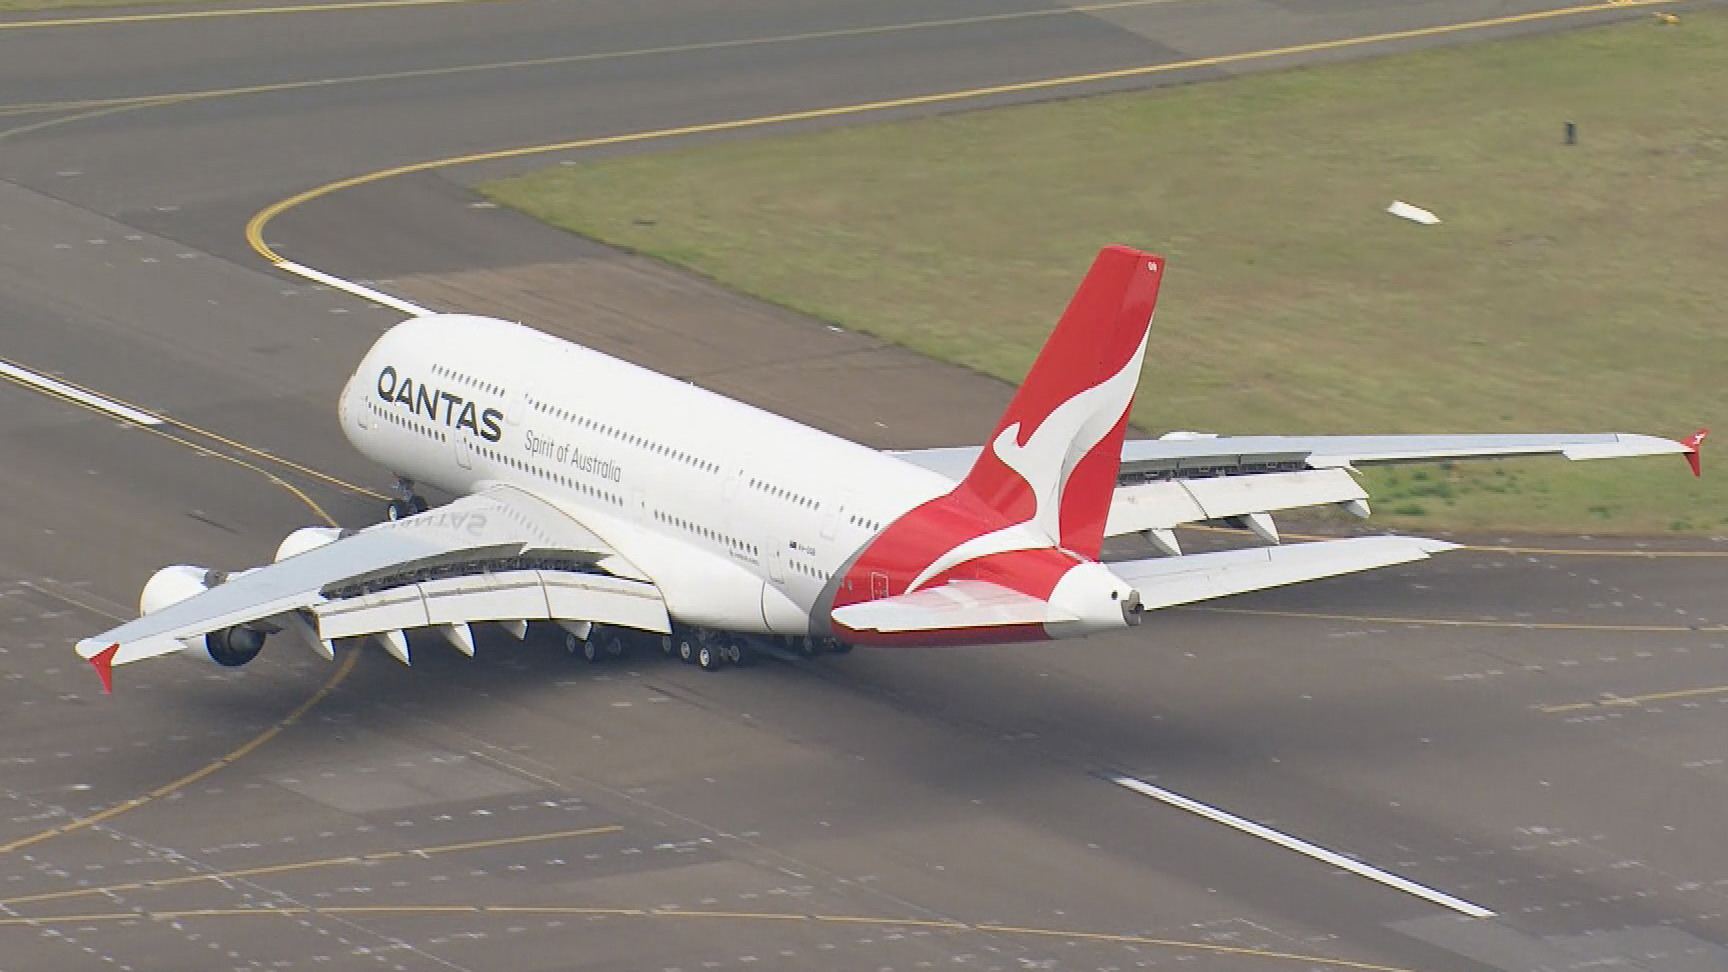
[[1534, 731]]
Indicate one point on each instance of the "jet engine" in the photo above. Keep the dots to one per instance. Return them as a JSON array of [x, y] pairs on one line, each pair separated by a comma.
[[307, 538], [228, 647]]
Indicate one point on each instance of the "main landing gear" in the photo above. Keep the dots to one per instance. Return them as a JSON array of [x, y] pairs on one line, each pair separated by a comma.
[[713, 650], [407, 502]]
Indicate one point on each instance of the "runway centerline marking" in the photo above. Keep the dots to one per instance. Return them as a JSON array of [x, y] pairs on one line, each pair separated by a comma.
[[60, 389], [1300, 846], [165, 425], [1626, 701], [233, 756]]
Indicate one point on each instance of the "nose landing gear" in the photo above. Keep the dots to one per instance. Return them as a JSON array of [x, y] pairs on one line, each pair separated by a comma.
[[407, 502]]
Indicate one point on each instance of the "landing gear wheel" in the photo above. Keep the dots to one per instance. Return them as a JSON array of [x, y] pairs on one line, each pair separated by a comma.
[[806, 647], [399, 509], [708, 658], [418, 503], [687, 648], [838, 647], [590, 651], [734, 653]]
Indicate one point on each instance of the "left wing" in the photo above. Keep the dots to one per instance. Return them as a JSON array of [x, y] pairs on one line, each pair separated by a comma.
[[502, 554]]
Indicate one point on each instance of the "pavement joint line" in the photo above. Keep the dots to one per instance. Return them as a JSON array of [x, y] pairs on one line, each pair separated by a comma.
[[1465, 622], [1493, 548], [1628, 701], [283, 868], [231, 757], [216, 13], [293, 911], [1300, 846], [255, 226], [176, 97]]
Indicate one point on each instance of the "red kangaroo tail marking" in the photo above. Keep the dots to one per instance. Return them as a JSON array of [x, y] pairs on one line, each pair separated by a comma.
[[1052, 459], [1045, 478]]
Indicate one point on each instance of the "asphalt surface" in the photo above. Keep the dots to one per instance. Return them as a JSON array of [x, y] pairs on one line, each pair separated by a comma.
[[1538, 733]]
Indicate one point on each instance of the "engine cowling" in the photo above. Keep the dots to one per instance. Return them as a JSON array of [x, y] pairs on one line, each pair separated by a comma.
[[227, 647], [307, 538], [171, 585]]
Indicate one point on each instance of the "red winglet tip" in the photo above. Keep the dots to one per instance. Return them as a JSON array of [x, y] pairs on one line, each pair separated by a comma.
[[1692, 442], [103, 662]]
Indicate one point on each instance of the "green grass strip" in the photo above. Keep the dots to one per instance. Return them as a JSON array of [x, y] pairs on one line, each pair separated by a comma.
[[1576, 287]]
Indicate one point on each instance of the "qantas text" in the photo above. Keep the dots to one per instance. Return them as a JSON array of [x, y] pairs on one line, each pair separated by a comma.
[[458, 412]]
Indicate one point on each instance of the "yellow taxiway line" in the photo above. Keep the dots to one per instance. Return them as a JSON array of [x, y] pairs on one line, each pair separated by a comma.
[[1624, 701], [251, 872], [988, 928], [255, 226]]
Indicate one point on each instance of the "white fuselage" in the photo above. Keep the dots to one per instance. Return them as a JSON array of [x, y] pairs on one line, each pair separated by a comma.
[[742, 517]]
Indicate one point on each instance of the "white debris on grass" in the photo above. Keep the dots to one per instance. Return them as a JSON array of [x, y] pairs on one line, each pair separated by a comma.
[[1415, 214]]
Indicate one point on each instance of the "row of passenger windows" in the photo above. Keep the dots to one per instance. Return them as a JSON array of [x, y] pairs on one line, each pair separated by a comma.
[[657, 448], [559, 478], [469, 380], [780, 492], [396, 418], [809, 571], [863, 523], [702, 531]]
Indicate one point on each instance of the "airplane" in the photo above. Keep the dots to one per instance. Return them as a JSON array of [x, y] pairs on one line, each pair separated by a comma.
[[625, 506]]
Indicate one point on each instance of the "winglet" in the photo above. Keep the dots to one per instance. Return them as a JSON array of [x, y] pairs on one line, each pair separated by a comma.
[[1692, 442], [103, 662]]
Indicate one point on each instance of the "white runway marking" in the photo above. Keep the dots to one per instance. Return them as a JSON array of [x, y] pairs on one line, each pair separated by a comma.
[[365, 293], [54, 386], [1300, 846]]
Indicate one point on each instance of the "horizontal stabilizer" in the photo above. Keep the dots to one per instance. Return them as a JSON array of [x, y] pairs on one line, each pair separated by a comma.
[[957, 604], [1169, 581]]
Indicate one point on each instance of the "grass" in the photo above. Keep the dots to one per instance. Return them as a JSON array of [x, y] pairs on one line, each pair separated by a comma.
[[1568, 288]]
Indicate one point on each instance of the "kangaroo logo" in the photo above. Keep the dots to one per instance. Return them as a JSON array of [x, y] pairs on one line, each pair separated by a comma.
[[1070, 432]]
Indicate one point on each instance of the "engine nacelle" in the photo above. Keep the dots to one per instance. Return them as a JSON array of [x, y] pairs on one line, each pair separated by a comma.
[[228, 647], [171, 585], [307, 538]]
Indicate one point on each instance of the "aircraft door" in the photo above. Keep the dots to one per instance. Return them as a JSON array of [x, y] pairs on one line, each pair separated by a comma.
[[776, 559]]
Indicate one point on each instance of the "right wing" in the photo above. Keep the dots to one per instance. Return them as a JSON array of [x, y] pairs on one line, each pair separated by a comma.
[[502, 554], [1187, 477]]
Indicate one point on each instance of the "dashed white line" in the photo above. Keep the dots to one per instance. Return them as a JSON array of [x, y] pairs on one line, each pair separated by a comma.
[[358, 290], [54, 386], [1300, 846]]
